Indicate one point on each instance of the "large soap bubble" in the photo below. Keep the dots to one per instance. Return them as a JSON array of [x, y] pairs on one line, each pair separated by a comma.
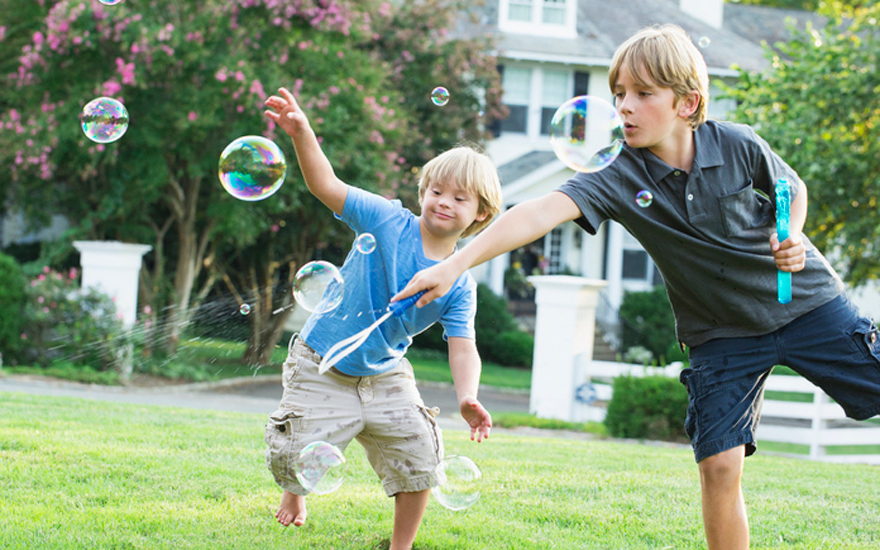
[[318, 287], [462, 486], [586, 133], [252, 168], [320, 467], [104, 120]]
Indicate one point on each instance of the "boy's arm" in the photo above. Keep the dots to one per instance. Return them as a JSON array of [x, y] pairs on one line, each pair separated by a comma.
[[790, 254], [465, 364], [316, 169], [518, 226]]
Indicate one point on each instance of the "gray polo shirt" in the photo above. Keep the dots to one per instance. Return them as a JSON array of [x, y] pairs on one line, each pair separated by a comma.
[[708, 231]]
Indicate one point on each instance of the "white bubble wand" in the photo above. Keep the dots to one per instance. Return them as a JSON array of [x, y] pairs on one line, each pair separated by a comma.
[[341, 349]]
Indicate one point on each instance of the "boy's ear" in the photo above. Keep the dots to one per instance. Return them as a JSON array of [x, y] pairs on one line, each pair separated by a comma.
[[481, 216], [688, 104]]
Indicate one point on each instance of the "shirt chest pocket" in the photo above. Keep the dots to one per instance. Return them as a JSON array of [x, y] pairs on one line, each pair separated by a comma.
[[746, 213]]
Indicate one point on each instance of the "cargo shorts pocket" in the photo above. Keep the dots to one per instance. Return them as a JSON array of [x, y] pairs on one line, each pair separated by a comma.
[[430, 416], [282, 433], [866, 339]]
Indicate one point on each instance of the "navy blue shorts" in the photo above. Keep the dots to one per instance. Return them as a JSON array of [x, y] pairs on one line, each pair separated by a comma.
[[833, 347]]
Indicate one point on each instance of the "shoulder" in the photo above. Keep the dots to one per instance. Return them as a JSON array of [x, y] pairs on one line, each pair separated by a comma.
[[727, 132]]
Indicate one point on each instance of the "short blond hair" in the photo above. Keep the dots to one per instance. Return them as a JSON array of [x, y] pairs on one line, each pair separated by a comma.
[[670, 59], [471, 170]]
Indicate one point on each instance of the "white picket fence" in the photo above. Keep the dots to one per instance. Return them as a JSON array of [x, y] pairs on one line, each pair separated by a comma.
[[818, 424]]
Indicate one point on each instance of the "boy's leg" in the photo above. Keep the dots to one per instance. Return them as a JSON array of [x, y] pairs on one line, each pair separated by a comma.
[[724, 509], [291, 510], [408, 511]]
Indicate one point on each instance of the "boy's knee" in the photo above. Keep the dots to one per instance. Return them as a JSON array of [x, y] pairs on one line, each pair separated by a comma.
[[724, 467]]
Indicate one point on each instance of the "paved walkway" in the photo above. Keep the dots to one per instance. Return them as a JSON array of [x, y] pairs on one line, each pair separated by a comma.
[[257, 394]]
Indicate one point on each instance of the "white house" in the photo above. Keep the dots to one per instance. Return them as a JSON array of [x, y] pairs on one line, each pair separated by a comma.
[[551, 50]]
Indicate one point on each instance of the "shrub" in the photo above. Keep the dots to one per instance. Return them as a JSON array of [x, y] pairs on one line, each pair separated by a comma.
[[65, 324], [653, 407], [13, 297], [499, 339], [647, 321]]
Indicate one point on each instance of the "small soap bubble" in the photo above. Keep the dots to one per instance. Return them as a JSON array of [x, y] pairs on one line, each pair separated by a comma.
[[252, 168], [320, 467], [461, 487], [586, 133], [365, 243], [704, 42], [644, 198], [318, 287], [104, 120], [110, 2], [440, 96], [245, 309]]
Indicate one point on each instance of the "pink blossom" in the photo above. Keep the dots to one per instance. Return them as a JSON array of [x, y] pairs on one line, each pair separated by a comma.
[[240, 108], [239, 76], [73, 273], [275, 228], [38, 37], [40, 299], [46, 269], [126, 70], [384, 9], [192, 116], [135, 48], [148, 310], [111, 88], [221, 75], [24, 335], [2, 33], [45, 310]]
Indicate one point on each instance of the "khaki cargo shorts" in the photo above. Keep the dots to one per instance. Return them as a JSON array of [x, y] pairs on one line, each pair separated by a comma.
[[384, 412]]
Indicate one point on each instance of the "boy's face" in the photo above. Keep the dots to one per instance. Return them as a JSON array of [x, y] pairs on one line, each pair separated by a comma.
[[447, 209], [651, 114]]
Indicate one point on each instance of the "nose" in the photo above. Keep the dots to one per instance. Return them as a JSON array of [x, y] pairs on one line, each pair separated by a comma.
[[621, 104]]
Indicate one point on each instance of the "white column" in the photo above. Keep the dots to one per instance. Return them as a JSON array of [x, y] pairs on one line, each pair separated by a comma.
[[614, 273], [564, 328], [112, 267]]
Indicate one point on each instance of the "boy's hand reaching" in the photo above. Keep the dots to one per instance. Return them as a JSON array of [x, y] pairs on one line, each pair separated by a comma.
[[477, 418], [435, 281], [286, 113], [790, 254]]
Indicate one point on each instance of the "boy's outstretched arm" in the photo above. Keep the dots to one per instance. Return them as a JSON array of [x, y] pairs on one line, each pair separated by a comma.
[[316, 169], [465, 364], [790, 254], [519, 226]]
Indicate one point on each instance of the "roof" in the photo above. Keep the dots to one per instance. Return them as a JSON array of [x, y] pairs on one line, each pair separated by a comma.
[[523, 165]]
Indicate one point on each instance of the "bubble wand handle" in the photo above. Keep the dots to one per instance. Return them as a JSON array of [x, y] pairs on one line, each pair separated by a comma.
[[783, 224], [341, 349]]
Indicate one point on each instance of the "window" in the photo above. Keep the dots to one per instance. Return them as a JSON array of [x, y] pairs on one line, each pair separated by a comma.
[[553, 12], [520, 10], [554, 252], [553, 94], [540, 17], [516, 82]]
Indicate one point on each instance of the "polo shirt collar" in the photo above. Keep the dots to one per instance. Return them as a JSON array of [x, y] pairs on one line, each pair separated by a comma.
[[708, 154]]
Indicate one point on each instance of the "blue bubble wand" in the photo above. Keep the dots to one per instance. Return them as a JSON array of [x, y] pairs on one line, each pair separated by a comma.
[[341, 349], [783, 224]]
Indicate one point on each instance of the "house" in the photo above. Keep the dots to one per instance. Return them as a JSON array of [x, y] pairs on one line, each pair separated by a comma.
[[551, 50]]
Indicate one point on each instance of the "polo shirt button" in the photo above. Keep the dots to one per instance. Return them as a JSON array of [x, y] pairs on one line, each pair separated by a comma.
[[677, 172], [690, 196]]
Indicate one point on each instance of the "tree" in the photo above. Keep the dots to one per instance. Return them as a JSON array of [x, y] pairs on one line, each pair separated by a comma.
[[809, 5], [818, 105], [193, 76]]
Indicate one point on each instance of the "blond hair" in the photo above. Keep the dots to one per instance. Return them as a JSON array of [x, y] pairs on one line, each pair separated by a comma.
[[472, 171], [670, 60]]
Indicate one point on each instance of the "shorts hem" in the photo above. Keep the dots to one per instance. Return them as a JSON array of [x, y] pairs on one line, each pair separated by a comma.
[[293, 487], [411, 485], [711, 448], [865, 413]]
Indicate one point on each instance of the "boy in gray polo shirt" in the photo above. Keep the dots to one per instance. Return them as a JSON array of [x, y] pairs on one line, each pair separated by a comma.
[[711, 232]]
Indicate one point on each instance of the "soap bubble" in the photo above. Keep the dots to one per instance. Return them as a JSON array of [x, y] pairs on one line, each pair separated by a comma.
[[365, 243], [252, 168], [644, 198], [440, 96], [320, 467], [704, 42], [245, 309], [462, 486], [110, 2], [318, 287], [586, 133], [104, 120]]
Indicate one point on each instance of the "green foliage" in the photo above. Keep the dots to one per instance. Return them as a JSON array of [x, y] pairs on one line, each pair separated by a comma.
[[648, 322], [13, 298], [652, 407], [63, 323], [789, 4], [818, 105]]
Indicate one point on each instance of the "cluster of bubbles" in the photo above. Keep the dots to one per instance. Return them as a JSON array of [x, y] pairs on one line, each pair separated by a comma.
[[440, 96], [104, 120], [461, 486], [586, 133], [320, 467], [252, 168]]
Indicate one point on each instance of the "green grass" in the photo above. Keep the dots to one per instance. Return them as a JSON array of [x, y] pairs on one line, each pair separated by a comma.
[[82, 474]]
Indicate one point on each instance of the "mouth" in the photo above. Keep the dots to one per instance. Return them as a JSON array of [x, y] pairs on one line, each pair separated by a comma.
[[629, 128]]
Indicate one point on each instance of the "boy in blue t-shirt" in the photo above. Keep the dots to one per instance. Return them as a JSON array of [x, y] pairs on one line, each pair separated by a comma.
[[711, 232], [371, 394]]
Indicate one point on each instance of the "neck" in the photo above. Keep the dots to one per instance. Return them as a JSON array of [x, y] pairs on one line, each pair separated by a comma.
[[436, 248], [678, 151]]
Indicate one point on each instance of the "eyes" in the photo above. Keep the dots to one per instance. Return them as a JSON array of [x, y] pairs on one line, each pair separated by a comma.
[[437, 191]]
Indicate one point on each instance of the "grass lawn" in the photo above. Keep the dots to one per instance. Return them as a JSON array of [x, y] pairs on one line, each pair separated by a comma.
[[81, 474]]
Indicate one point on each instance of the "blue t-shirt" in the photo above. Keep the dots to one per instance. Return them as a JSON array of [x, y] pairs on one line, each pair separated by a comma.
[[370, 280]]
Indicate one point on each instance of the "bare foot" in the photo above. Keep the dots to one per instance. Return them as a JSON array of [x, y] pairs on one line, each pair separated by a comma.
[[291, 510]]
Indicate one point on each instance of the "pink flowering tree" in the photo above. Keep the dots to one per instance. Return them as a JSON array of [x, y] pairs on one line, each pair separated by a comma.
[[193, 76]]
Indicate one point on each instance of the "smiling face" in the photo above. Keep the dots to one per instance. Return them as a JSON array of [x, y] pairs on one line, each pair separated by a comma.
[[448, 210]]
